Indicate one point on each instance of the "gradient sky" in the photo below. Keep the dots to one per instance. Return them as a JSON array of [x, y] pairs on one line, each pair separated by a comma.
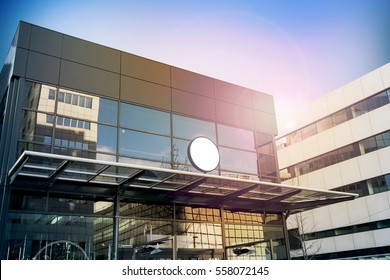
[[296, 50]]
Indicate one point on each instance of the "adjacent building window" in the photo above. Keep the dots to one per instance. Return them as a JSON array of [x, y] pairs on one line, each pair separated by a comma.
[[368, 145], [354, 111]]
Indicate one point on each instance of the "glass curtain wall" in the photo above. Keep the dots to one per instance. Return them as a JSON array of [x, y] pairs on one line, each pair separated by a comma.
[[63, 227], [67, 122]]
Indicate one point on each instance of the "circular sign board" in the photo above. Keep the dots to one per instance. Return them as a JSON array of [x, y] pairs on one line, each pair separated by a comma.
[[203, 154]]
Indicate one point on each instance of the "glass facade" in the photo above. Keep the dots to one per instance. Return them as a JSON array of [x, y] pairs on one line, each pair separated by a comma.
[[78, 124], [42, 224], [58, 227]]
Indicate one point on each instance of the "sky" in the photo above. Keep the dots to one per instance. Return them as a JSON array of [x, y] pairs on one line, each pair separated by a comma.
[[295, 50]]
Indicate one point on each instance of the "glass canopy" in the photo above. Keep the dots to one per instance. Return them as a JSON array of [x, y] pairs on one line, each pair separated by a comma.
[[135, 183]]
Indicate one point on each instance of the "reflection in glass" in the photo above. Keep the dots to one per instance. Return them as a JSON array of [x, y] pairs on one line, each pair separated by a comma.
[[108, 111], [324, 124], [189, 128], [235, 137], [145, 119], [309, 130], [238, 161], [58, 237], [40, 97], [144, 145], [106, 139], [36, 127], [199, 235], [341, 116], [180, 155], [145, 239]]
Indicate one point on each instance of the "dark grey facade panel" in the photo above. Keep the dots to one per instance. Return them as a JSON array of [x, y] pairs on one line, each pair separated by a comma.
[[145, 69], [81, 77], [42, 67], [263, 102], [233, 93], [20, 62], [46, 41], [24, 33], [235, 115], [145, 93], [84, 52], [193, 105], [143, 81], [192, 82]]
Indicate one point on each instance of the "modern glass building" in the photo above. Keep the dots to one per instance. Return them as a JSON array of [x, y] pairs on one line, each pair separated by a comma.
[[95, 163], [341, 142]]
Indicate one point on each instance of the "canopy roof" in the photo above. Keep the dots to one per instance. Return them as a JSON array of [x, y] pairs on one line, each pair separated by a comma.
[[136, 183]]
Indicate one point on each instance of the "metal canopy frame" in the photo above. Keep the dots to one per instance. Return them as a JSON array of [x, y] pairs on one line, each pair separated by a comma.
[[136, 183]]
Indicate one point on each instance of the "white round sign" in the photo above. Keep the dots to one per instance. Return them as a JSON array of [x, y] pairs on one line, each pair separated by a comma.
[[203, 154]]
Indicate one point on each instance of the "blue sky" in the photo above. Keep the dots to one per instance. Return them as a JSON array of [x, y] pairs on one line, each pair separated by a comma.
[[296, 50]]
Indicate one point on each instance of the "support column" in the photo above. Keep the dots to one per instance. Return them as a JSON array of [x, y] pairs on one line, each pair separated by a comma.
[[284, 217], [223, 234], [115, 235], [174, 237]]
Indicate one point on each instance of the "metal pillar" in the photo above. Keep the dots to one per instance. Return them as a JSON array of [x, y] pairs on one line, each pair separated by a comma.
[[284, 219], [115, 235]]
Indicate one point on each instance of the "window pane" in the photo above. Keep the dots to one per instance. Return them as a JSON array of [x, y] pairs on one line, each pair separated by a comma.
[[301, 168], [294, 137], [368, 145], [265, 144], [106, 139], [52, 94], [108, 111], [88, 102], [377, 101], [309, 130], [68, 98], [40, 97], [49, 119], [75, 99], [66, 122], [268, 165], [189, 128], [340, 117], [345, 153], [180, 151], [235, 137], [383, 140], [144, 145], [238, 161], [329, 158], [359, 109], [314, 164], [34, 126], [60, 120], [61, 96], [324, 124], [141, 118], [82, 101]]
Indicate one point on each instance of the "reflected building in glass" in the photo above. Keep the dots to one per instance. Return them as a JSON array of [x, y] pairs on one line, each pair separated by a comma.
[[94, 161]]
